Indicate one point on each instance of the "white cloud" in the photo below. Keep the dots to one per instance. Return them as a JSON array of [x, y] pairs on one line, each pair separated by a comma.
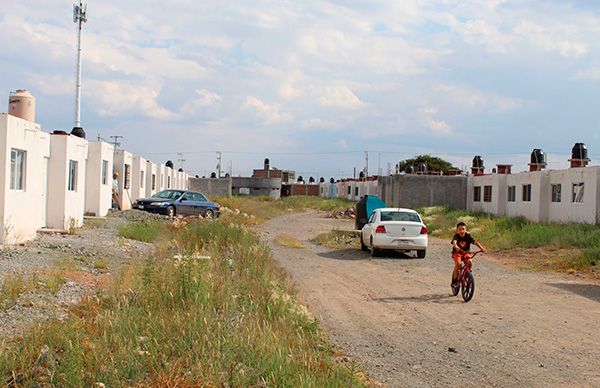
[[592, 74], [204, 98], [319, 123], [467, 98], [339, 96], [111, 99], [270, 114], [551, 39], [438, 127]]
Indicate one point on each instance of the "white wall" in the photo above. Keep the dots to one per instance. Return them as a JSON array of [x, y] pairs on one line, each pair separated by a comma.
[[497, 204], [66, 207], [138, 186], [98, 194], [121, 159], [22, 212], [568, 211], [152, 169]]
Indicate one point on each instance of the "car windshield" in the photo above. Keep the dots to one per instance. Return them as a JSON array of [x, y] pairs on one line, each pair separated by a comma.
[[400, 216], [168, 194]]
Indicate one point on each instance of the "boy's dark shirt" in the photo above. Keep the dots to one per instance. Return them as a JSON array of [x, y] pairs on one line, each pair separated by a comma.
[[464, 243]]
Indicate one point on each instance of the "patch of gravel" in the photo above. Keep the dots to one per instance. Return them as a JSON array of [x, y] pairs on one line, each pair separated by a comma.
[[136, 215], [84, 259]]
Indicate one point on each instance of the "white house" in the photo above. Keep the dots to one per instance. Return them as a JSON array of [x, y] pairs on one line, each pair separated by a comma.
[[123, 165], [138, 181], [570, 195], [152, 179], [98, 179], [24, 155], [66, 180]]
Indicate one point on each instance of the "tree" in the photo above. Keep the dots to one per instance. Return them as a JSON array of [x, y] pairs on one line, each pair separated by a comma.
[[433, 163]]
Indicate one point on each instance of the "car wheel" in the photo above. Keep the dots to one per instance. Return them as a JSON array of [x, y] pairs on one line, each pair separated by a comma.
[[374, 251], [209, 213], [171, 211], [421, 253], [363, 247]]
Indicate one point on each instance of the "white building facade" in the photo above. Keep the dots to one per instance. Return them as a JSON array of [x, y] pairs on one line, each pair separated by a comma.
[[24, 157], [98, 179]]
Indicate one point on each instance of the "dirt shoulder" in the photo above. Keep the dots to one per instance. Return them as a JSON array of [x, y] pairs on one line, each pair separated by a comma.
[[56, 271], [396, 317]]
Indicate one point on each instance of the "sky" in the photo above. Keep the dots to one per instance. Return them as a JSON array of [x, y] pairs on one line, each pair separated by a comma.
[[314, 84]]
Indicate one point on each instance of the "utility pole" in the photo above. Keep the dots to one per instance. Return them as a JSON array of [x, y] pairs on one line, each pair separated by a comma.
[[116, 142], [79, 17], [379, 165], [219, 159], [366, 163], [181, 159]]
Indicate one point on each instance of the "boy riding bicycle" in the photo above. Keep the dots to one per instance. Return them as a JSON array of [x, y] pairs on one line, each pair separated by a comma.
[[461, 245]]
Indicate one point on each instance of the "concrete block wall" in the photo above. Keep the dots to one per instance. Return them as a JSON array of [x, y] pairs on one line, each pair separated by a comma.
[[414, 191], [212, 187]]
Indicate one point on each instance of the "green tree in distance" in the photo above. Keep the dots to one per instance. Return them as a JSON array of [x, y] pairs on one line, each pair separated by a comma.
[[433, 163]]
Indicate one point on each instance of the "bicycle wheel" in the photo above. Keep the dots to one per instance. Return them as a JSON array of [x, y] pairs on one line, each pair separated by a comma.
[[468, 287]]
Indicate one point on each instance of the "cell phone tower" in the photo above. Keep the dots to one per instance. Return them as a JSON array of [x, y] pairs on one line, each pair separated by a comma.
[[79, 17]]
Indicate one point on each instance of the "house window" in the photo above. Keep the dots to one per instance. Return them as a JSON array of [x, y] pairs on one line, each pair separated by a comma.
[[141, 179], [127, 184], [526, 193], [153, 181], [487, 193], [105, 172], [556, 193], [168, 182], [578, 192], [477, 194], [349, 190], [72, 183], [17, 169], [512, 193], [356, 192]]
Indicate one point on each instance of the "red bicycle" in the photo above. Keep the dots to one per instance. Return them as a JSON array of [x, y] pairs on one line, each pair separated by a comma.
[[466, 281]]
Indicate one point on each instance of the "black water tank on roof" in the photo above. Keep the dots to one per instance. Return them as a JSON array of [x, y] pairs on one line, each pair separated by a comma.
[[213, 175], [79, 132], [169, 164], [579, 151], [538, 156], [300, 179], [361, 175], [322, 180], [409, 170], [180, 170], [311, 180], [477, 162], [331, 180]]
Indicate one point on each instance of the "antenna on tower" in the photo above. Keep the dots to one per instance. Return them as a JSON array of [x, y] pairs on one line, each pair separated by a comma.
[[79, 17]]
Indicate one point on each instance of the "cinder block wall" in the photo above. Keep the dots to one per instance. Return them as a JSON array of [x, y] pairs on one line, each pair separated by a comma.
[[211, 187], [414, 191]]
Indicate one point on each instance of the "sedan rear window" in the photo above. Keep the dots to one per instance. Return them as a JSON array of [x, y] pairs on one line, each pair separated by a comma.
[[400, 216]]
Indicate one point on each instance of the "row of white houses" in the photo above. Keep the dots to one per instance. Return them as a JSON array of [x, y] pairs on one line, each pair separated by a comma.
[[546, 196], [50, 180]]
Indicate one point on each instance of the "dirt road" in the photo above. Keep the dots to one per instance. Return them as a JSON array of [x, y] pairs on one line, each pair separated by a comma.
[[395, 316]]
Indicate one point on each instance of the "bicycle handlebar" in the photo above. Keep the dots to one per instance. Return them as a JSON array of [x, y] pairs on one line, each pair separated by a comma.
[[473, 254]]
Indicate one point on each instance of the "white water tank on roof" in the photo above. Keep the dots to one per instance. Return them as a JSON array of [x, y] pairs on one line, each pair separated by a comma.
[[21, 104]]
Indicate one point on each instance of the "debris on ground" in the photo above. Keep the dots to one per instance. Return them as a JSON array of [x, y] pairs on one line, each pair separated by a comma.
[[349, 213]]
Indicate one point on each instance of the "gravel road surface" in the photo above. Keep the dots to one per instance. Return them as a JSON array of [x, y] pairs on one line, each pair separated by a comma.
[[396, 317]]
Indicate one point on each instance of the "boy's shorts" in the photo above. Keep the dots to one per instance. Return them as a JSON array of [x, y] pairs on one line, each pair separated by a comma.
[[458, 256]]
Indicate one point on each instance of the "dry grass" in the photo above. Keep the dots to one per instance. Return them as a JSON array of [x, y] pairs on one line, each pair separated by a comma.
[[286, 241], [339, 239], [177, 319]]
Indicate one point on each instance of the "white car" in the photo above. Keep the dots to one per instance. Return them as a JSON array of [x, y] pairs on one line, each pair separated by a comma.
[[395, 229]]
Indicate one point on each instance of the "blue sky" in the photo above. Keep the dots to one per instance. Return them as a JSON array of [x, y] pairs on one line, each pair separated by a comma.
[[313, 84]]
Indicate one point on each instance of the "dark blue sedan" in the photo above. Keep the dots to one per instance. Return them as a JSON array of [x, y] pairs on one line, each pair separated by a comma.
[[179, 202]]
